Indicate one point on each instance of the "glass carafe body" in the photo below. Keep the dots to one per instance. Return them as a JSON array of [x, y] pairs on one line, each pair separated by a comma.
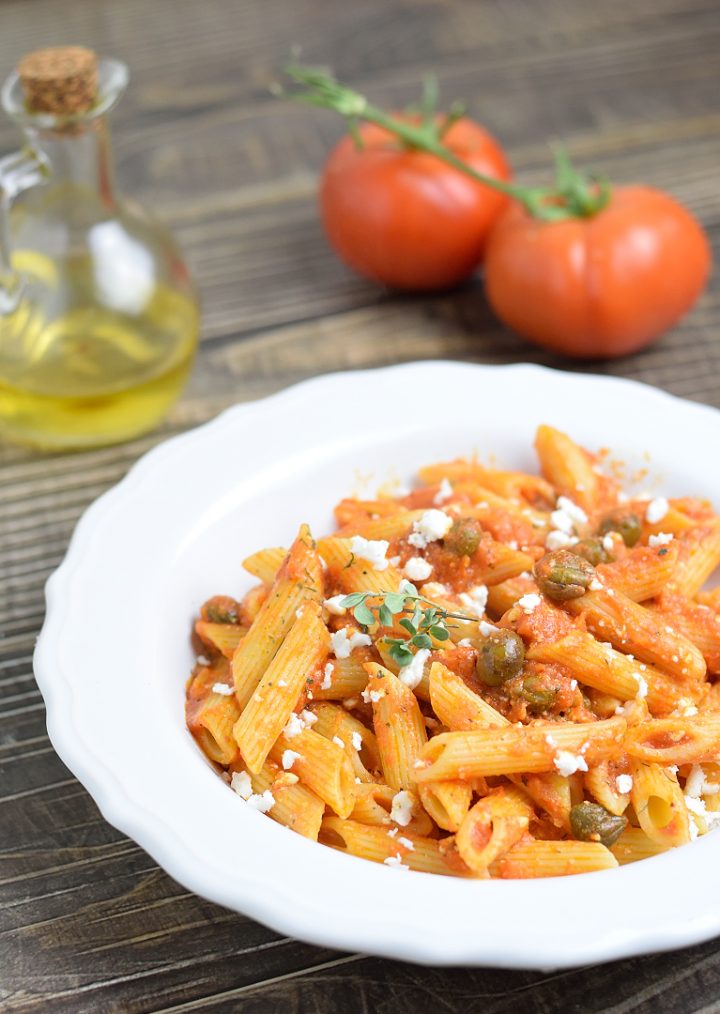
[[98, 314]]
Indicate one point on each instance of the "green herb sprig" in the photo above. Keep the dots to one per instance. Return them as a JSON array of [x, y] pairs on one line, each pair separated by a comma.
[[425, 619]]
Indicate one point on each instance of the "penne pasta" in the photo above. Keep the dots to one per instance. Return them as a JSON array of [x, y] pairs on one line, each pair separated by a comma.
[[375, 844], [533, 858], [399, 726]]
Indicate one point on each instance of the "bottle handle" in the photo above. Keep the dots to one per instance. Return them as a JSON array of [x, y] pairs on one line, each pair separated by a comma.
[[18, 172]]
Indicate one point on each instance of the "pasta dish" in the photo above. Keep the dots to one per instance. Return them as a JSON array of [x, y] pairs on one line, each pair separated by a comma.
[[495, 675]]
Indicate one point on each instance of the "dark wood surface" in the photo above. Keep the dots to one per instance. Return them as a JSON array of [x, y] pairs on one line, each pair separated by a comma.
[[87, 921]]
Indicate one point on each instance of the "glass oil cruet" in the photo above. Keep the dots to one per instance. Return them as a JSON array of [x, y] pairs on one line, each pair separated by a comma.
[[98, 315]]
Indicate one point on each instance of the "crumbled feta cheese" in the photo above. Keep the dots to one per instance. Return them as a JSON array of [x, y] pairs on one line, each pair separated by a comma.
[[393, 561], [357, 741], [567, 763], [433, 525], [529, 602], [396, 862], [298, 723], [444, 493], [407, 587], [690, 711], [371, 550], [661, 539], [402, 807], [338, 742], [595, 585], [486, 628], [642, 690], [327, 676], [392, 832], [372, 696], [288, 759], [475, 599], [562, 522], [608, 543], [624, 784], [264, 803], [558, 540], [407, 843], [240, 783], [695, 782], [417, 569], [343, 646], [412, 673], [656, 510], [333, 605], [571, 510], [551, 741], [433, 589], [223, 689], [465, 643], [203, 660]]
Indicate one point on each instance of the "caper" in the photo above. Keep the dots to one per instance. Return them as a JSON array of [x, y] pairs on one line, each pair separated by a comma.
[[500, 658], [463, 538], [592, 822], [221, 609], [563, 575], [592, 550], [538, 696], [626, 524]]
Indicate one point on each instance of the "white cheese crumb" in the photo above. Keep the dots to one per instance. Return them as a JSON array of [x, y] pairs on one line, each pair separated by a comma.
[[282, 683], [475, 599], [371, 550], [444, 493], [558, 540], [567, 763], [333, 605], [661, 539], [393, 561], [202, 660], [608, 543], [288, 759], [338, 742], [412, 673], [595, 585], [240, 783], [695, 782], [572, 510], [417, 569], [407, 843], [223, 689], [396, 862], [656, 510], [264, 803], [551, 741], [393, 832], [624, 784], [642, 690], [690, 711], [486, 628], [343, 646], [402, 807], [372, 696], [465, 643], [357, 741], [433, 525], [298, 723], [529, 602], [327, 676]]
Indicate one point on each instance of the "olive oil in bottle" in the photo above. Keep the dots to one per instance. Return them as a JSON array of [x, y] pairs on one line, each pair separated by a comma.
[[98, 316]]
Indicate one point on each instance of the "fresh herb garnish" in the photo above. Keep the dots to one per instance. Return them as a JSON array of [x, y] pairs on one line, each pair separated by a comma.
[[425, 619]]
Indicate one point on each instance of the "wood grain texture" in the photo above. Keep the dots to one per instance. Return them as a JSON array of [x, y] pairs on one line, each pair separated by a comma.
[[87, 921]]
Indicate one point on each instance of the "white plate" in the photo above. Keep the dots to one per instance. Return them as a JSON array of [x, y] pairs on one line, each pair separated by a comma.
[[115, 652]]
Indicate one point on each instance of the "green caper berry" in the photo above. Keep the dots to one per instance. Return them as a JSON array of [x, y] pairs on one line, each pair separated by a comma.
[[500, 658], [539, 697], [463, 538], [592, 822], [628, 526], [592, 550], [563, 575], [221, 609]]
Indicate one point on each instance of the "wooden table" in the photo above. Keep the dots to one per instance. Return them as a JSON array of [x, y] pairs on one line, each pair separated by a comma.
[[87, 921]]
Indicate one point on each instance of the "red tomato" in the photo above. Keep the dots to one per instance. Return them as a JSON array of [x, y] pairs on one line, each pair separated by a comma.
[[404, 217], [601, 286]]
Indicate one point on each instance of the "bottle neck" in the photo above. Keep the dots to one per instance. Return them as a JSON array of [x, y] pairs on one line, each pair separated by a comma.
[[80, 157]]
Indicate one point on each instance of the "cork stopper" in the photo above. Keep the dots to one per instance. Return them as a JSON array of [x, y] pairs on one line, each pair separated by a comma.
[[61, 80]]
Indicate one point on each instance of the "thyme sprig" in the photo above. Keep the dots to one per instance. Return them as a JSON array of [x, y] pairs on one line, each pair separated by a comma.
[[425, 620]]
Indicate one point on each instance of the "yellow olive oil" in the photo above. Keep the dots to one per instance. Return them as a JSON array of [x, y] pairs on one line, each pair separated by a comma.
[[84, 366]]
